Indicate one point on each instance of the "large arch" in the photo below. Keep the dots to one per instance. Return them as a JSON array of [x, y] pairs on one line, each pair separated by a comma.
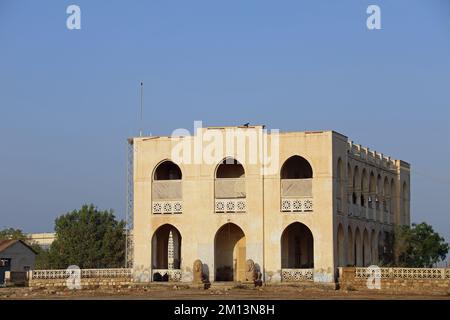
[[356, 186], [166, 249], [386, 199], [297, 247], [372, 191], [340, 184], [230, 253], [381, 247], [167, 191], [341, 246], [405, 203], [358, 249], [350, 188], [229, 184], [364, 188], [366, 249], [296, 167], [393, 210], [350, 247], [374, 248]]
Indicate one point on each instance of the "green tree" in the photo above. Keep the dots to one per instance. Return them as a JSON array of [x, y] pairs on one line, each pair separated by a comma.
[[88, 238], [12, 234], [418, 246]]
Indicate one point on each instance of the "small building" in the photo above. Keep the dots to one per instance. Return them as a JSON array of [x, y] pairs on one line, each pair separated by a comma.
[[15, 256]]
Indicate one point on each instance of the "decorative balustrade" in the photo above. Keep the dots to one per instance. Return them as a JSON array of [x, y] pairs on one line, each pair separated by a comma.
[[167, 207], [230, 206], [297, 205], [167, 197], [405, 273], [173, 275], [297, 275], [85, 273]]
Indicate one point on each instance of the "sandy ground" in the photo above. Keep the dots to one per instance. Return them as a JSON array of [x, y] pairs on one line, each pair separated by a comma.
[[179, 293]]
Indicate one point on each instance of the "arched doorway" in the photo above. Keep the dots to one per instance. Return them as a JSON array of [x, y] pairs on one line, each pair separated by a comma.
[[351, 248], [166, 252], [297, 247], [358, 249], [366, 249], [230, 253], [340, 246], [374, 247]]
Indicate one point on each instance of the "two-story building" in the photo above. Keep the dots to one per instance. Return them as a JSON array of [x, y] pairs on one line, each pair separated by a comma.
[[299, 204]]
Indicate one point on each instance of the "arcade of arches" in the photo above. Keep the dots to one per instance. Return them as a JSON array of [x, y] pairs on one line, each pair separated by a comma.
[[359, 248], [297, 250]]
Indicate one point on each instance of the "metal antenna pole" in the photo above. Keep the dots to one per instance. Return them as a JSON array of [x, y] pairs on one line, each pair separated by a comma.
[[142, 108]]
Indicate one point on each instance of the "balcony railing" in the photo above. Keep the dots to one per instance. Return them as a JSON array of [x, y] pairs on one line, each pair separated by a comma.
[[296, 195], [230, 195], [231, 205], [167, 197]]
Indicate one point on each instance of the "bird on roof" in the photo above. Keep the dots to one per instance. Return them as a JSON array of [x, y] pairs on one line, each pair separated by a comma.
[[246, 124]]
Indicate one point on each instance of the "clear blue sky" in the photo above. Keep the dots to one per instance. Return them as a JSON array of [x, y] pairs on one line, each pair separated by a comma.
[[69, 99]]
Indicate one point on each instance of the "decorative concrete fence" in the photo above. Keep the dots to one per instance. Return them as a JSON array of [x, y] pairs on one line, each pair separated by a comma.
[[418, 280], [297, 275], [88, 277]]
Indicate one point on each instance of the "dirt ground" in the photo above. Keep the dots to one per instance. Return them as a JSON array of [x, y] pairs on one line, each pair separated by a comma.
[[180, 293]]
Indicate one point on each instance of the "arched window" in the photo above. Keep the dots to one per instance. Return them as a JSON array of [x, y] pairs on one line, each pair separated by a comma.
[[230, 188], [296, 185], [167, 170], [356, 186], [378, 193], [386, 195], [350, 189], [393, 201], [364, 188], [372, 190], [167, 193], [296, 167]]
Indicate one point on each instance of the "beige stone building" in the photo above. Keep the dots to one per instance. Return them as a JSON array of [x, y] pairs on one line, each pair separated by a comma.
[[318, 202]]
